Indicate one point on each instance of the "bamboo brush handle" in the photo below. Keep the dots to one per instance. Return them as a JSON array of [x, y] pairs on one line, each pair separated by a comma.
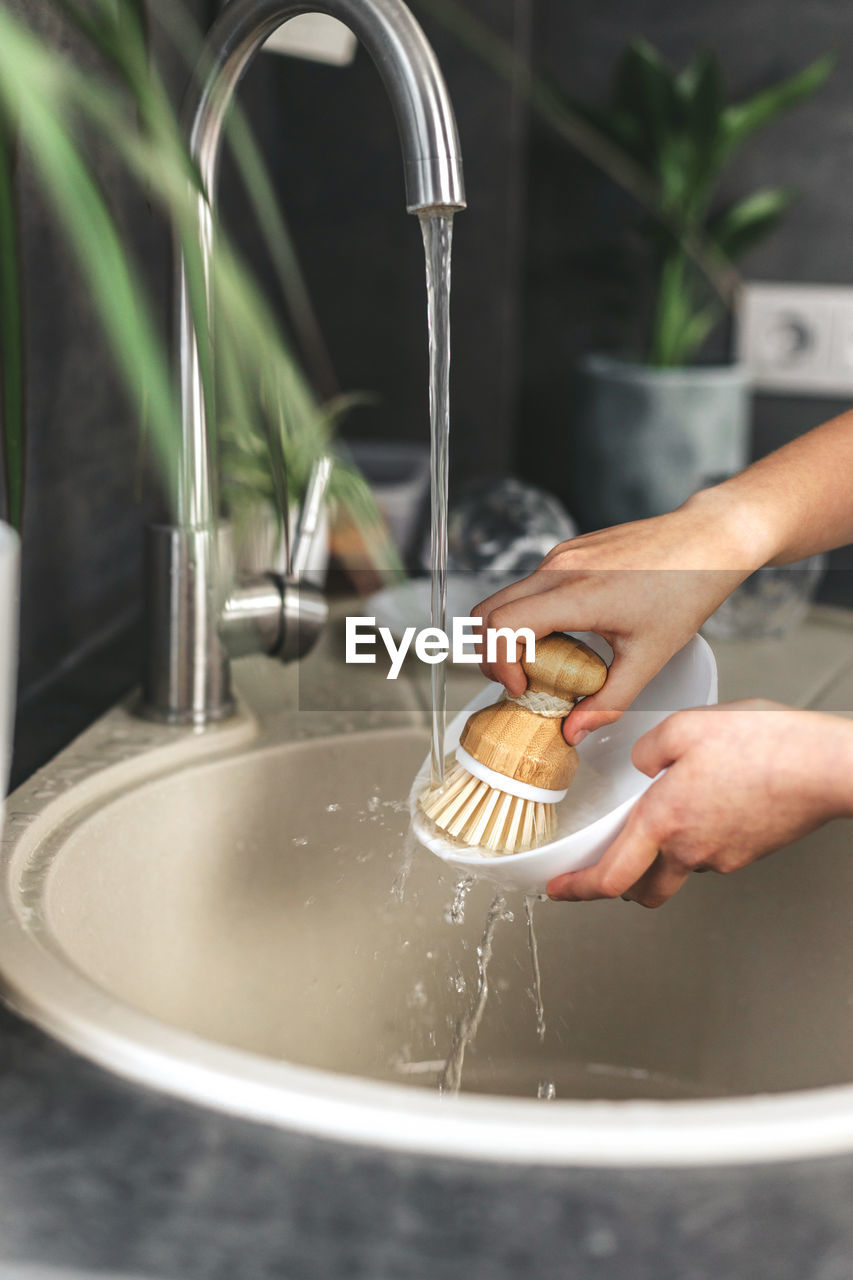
[[565, 667], [531, 748]]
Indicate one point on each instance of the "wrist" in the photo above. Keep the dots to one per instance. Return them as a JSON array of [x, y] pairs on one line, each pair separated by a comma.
[[742, 526], [842, 767]]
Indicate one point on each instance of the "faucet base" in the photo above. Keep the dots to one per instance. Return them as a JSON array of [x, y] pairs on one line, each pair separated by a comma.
[[186, 678], [182, 719]]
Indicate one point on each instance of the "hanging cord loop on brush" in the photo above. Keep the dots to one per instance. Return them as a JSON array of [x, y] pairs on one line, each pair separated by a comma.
[[543, 704]]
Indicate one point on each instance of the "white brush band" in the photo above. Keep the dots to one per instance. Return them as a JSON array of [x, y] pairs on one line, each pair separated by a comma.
[[500, 782]]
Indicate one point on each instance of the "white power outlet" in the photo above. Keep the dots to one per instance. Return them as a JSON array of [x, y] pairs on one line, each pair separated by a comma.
[[795, 337]]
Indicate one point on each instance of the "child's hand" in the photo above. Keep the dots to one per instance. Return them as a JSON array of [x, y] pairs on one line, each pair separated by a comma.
[[645, 587], [741, 780]]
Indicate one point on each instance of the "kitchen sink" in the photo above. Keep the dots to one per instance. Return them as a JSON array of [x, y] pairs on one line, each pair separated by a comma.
[[240, 917]]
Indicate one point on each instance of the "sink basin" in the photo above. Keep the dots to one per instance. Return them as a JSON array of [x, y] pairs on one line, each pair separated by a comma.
[[240, 918]]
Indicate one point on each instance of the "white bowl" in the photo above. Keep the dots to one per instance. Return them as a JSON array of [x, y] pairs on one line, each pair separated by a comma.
[[9, 548], [606, 786]]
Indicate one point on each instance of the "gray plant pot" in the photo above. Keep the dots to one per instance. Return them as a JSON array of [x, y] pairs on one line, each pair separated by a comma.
[[645, 439]]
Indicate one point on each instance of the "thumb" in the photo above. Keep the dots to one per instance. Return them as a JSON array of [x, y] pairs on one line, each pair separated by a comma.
[[663, 745], [628, 676]]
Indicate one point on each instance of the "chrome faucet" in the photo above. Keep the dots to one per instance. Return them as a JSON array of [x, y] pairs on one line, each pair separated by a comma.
[[196, 616]]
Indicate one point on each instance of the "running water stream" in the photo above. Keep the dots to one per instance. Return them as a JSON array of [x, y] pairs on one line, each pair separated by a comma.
[[468, 1025], [533, 948], [437, 228]]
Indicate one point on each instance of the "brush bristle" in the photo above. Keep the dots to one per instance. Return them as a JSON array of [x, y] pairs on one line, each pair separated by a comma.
[[475, 813]]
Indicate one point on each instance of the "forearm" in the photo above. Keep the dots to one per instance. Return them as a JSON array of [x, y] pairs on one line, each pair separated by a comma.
[[796, 501]]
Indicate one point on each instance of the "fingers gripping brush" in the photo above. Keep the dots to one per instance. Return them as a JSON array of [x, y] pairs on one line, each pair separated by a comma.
[[513, 764]]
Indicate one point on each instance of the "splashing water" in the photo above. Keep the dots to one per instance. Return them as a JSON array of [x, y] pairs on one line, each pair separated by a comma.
[[468, 1025], [407, 861], [437, 229], [533, 946], [455, 913]]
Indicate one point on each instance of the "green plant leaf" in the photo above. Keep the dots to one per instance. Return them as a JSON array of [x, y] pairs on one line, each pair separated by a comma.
[[703, 91], [695, 331], [742, 119], [644, 87], [672, 312], [677, 118], [12, 382], [745, 223]]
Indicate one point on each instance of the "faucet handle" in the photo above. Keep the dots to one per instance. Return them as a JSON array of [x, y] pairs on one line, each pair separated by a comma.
[[310, 516], [274, 614], [282, 614], [304, 611]]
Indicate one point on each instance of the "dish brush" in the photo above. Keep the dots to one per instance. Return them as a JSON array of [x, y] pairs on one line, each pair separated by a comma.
[[513, 765]]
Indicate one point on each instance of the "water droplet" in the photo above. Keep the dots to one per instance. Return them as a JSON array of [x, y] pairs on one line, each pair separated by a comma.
[[417, 997], [455, 913]]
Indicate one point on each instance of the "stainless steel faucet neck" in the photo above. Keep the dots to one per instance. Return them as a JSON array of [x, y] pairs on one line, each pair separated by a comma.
[[197, 661]]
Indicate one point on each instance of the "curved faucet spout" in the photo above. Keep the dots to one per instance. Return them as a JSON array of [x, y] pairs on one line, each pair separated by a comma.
[[187, 671], [428, 136]]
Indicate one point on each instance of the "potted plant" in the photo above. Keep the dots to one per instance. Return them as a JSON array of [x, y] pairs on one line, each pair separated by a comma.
[[653, 428]]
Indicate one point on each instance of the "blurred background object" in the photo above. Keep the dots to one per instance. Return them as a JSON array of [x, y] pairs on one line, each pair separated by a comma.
[[398, 474], [498, 531], [769, 604], [645, 436], [504, 527]]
